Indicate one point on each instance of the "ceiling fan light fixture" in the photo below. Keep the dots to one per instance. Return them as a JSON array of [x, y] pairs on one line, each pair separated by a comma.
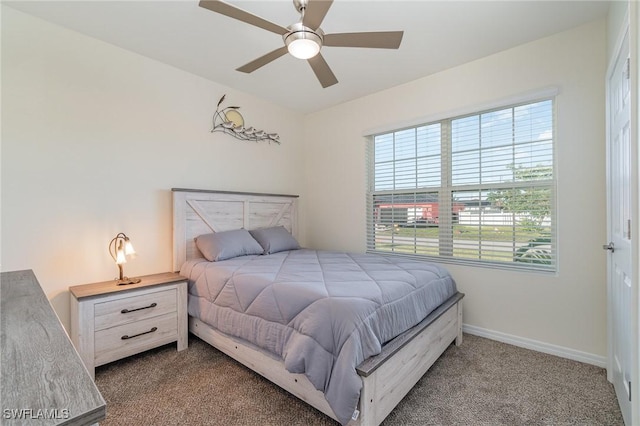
[[302, 43], [303, 48]]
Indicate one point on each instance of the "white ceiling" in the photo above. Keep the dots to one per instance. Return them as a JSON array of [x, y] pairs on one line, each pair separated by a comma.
[[437, 35]]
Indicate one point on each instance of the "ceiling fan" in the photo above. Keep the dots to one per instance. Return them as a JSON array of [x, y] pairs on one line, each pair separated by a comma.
[[305, 38]]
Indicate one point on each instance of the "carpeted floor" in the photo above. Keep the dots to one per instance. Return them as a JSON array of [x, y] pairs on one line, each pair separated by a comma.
[[483, 382]]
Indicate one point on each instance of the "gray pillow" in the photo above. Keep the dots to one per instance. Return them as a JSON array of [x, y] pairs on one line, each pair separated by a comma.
[[275, 239], [227, 244]]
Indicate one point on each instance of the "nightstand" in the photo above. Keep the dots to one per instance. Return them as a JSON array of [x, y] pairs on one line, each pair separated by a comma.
[[110, 321]]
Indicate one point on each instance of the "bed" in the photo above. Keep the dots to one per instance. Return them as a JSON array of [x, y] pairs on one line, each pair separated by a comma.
[[362, 379]]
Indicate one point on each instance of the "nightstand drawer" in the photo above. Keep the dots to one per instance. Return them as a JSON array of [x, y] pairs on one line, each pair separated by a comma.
[[117, 342], [134, 308]]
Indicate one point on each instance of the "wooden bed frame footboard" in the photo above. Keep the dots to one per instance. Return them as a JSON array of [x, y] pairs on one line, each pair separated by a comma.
[[386, 378], [389, 376]]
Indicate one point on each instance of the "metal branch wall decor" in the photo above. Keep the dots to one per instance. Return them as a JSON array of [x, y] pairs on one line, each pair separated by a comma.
[[229, 120]]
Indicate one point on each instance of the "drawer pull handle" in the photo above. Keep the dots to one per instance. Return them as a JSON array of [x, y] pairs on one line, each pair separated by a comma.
[[125, 337], [126, 311]]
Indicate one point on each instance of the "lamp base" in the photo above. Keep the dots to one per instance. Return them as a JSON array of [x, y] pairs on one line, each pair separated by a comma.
[[127, 281]]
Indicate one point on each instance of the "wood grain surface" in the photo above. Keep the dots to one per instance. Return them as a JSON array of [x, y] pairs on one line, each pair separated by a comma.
[[43, 380], [111, 286]]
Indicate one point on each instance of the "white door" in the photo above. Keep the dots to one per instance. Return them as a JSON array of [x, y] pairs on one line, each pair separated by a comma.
[[619, 230]]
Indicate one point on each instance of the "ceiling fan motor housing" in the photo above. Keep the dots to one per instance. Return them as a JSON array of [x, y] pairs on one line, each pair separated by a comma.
[[299, 34]]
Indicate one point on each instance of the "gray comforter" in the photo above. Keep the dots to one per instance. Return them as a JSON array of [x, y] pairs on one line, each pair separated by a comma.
[[322, 312]]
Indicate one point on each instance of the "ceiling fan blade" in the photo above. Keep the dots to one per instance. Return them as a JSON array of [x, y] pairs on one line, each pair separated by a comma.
[[322, 71], [241, 15], [315, 12], [263, 60], [379, 40]]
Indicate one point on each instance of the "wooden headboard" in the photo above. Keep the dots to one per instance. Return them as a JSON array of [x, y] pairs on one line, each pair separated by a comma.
[[197, 212]]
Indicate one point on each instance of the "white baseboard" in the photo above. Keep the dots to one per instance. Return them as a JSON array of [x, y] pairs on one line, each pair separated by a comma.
[[535, 345]]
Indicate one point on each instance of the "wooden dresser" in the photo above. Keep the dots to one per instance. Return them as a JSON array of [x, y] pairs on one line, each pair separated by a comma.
[[44, 381], [111, 321]]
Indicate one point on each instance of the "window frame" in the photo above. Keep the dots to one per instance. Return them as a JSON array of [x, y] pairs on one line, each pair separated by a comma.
[[447, 189]]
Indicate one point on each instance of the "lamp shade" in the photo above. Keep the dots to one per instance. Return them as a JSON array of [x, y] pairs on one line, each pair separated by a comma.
[[120, 257], [128, 247]]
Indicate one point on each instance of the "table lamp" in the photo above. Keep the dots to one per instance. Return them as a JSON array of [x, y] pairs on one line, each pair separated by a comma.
[[119, 248]]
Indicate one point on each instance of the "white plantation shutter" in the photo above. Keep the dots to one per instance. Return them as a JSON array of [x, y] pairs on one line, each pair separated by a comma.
[[476, 188]]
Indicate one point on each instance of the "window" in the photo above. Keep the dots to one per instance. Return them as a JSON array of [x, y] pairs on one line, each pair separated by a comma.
[[477, 188]]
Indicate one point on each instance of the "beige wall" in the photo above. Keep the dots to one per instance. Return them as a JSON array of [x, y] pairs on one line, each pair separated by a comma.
[[93, 139], [567, 309]]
